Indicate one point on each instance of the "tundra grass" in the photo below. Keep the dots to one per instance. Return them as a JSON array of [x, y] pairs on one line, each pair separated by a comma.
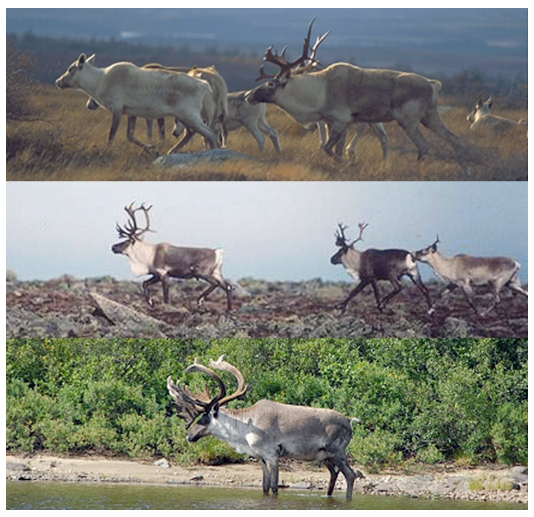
[[67, 142]]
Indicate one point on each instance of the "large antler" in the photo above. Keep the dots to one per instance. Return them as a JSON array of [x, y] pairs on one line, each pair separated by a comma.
[[341, 240], [131, 229], [190, 405], [281, 61]]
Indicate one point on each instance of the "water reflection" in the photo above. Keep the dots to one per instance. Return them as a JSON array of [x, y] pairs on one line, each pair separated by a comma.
[[24, 495]]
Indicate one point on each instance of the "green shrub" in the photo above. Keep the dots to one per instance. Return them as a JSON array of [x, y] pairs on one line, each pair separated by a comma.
[[425, 399]]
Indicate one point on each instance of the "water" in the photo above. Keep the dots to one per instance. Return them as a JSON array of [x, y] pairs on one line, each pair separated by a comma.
[[26, 495]]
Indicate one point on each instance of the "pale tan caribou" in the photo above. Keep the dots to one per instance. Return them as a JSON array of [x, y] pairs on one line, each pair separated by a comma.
[[481, 118], [164, 261], [126, 89], [343, 94], [266, 430], [465, 271]]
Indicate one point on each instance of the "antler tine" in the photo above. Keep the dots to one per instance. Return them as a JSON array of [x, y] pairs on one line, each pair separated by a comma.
[[263, 75], [282, 62], [340, 235], [361, 227], [318, 41], [224, 366]]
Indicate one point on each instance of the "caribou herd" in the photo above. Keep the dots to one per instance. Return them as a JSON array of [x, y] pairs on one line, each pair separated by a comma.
[[164, 261], [332, 98]]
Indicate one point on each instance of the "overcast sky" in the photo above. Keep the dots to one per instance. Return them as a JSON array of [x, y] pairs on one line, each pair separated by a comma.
[[268, 230]]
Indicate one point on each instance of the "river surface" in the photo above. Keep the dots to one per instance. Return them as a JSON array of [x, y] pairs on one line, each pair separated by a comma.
[[27, 495]]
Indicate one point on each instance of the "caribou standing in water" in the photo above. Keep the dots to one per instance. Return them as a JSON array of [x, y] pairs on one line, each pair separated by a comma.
[[266, 430]]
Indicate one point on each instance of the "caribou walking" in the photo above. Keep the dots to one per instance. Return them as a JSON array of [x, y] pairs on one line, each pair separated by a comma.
[[369, 266], [266, 430], [164, 261], [126, 89], [343, 94], [466, 271]]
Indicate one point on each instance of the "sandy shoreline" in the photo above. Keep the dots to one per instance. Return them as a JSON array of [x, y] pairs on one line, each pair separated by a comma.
[[503, 485]]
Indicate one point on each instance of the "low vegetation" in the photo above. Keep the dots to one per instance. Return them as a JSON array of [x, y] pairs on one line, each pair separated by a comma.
[[424, 401], [50, 135], [68, 143]]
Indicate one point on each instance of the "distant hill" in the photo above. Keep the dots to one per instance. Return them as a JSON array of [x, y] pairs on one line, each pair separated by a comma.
[[436, 42]]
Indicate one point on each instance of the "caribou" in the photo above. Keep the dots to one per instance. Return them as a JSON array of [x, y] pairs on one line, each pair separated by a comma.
[[481, 118], [311, 64], [266, 430], [465, 271], [249, 116], [342, 94], [371, 265], [215, 109], [164, 261], [126, 89]]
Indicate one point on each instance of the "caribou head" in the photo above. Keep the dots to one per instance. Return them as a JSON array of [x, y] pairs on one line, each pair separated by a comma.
[[343, 244], [266, 92], [131, 231], [190, 406]]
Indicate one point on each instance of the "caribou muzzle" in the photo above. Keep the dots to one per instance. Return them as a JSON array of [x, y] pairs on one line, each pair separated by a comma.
[[120, 247]]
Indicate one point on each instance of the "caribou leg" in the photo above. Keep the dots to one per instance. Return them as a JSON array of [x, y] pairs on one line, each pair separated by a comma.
[[154, 279], [353, 293], [130, 135]]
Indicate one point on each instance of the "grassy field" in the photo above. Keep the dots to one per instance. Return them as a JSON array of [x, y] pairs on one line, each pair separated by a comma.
[[66, 142]]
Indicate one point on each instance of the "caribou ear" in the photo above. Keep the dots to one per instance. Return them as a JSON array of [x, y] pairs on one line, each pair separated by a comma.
[[91, 59], [215, 410], [282, 81], [81, 60]]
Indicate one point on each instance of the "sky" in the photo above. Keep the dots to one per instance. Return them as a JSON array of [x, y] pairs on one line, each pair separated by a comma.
[[268, 230]]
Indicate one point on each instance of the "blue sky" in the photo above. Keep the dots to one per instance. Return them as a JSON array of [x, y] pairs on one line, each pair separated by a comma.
[[268, 230]]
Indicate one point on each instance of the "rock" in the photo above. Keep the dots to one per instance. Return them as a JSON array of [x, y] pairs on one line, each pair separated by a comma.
[[17, 467], [121, 315], [163, 463], [212, 155], [456, 327]]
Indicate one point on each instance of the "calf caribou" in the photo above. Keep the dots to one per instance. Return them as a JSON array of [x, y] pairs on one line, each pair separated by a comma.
[[465, 271], [266, 430], [343, 94], [164, 261], [366, 267]]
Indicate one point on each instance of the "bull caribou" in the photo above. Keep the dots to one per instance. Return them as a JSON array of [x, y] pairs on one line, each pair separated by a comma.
[[369, 266], [163, 261], [266, 430], [126, 89], [466, 271], [343, 94], [481, 118]]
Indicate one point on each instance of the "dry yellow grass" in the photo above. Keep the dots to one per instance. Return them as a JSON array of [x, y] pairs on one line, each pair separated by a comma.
[[67, 143]]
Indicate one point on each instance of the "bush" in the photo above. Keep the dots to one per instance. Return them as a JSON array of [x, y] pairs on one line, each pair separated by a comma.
[[425, 399], [19, 85]]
